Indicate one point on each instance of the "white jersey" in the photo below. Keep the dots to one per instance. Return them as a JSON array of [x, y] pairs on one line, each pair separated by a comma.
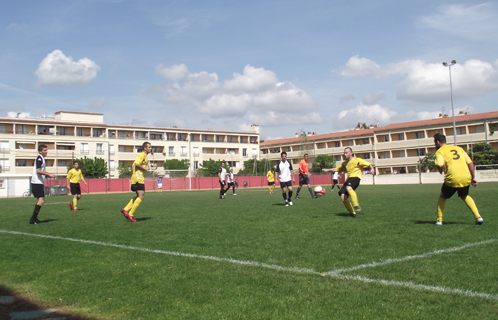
[[230, 177], [40, 164], [336, 176], [284, 170], [223, 173]]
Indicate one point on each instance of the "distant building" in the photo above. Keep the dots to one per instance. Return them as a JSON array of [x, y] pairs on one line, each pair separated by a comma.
[[395, 148], [70, 135]]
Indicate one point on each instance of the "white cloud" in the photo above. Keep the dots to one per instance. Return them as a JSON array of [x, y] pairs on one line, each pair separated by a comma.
[[255, 94], [429, 82], [58, 70], [375, 98], [478, 22], [175, 72]]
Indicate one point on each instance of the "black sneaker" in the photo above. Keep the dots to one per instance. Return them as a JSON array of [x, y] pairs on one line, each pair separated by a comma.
[[36, 221], [297, 197], [314, 197]]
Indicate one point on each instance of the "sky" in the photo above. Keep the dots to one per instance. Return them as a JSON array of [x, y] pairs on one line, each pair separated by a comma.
[[287, 66]]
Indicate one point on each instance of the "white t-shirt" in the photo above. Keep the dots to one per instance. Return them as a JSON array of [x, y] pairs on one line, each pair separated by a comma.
[[40, 164], [336, 176], [223, 173], [230, 177], [284, 170]]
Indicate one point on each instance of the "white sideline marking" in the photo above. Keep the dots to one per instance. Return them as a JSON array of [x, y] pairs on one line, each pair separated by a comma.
[[333, 274], [418, 256]]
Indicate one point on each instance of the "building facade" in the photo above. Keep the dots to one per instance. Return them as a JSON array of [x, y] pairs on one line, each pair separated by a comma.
[[73, 135], [395, 148]]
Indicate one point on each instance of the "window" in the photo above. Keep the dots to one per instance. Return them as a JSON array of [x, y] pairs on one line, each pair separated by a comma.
[[401, 136], [229, 139], [62, 131], [419, 134], [460, 130], [386, 138], [99, 148], [366, 141], [401, 153], [171, 151], [196, 152], [122, 148], [80, 132], [254, 152], [4, 146], [204, 137], [62, 163], [366, 156], [230, 151], [84, 148], [111, 149], [217, 138], [2, 184], [196, 164], [111, 164], [21, 163], [420, 152], [4, 163], [289, 149], [244, 152], [183, 151], [98, 132], [337, 144]]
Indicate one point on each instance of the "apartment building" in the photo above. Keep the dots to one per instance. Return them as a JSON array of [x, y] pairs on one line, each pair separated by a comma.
[[395, 148], [71, 135]]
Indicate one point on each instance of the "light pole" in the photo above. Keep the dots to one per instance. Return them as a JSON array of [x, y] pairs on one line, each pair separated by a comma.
[[453, 62]]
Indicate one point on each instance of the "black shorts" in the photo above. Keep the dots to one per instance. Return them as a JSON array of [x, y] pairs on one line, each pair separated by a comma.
[[448, 191], [285, 184], [138, 187], [351, 182], [335, 181], [37, 190], [230, 184], [303, 179], [222, 184], [75, 188], [271, 183]]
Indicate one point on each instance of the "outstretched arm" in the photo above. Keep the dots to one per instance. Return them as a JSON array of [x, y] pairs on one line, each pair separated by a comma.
[[472, 174]]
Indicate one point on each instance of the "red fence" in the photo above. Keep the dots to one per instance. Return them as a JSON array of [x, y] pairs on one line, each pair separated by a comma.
[[171, 184]]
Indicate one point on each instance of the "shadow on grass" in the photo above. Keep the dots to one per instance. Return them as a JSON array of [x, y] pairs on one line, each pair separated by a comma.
[[17, 306], [434, 222], [48, 220], [143, 219]]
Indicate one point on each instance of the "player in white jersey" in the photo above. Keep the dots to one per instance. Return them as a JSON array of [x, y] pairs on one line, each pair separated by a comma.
[[335, 181], [285, 176], [38, 181], [222, 173], [231, 182]]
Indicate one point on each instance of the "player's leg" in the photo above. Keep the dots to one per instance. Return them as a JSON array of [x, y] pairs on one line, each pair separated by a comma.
[[463, 193], [311, 191], [140, 197], [289, 187], [446, 193], [343, 193], [39, 203]]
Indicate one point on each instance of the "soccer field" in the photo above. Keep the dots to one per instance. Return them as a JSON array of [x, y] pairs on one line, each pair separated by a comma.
[[193, 256]]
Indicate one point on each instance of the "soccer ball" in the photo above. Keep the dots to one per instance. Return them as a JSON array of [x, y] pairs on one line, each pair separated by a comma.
[[319, 191]]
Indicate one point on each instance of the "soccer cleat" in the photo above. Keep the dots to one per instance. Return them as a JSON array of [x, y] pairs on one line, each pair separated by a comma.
[[357, 208], [439, 223], [70, 206], [286, 204], [314, 197], [75, 209], [131, 218], [290, 203], [125, 213], [479, 220], [352, 215], [297, 197], [36, 221], [234, 194], [331, 190]]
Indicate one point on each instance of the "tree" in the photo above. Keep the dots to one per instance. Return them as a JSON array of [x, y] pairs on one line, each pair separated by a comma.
[[482, 154], [428, 163], [321, 162], [175, 164], [210, 168], [124, 170], [305, 147], [262, 167], [91, 168]]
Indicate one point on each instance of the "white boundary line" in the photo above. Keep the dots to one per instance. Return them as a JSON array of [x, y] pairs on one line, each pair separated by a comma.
[[333, 274]]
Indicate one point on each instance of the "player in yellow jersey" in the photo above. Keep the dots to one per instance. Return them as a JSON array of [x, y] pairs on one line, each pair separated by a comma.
[[271, 179], [139, 167], [73, 183], [354, 168], [459, 174]]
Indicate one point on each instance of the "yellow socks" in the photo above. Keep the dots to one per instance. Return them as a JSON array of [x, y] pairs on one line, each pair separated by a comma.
[[472, 206], [135, 206], [441, 203], [348, 206], [354, 198], [75, 201], [130, 204]]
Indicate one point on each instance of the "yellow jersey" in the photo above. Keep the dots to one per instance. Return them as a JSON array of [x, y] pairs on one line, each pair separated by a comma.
[[354, 167], [138, 175], [271, 176], [74, 175], [455, 162]]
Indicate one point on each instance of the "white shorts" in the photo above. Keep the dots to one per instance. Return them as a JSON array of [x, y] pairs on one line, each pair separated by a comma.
[[160, 186]]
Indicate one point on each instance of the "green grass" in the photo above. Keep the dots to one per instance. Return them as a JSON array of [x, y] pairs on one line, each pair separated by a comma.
[[313, 236]]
